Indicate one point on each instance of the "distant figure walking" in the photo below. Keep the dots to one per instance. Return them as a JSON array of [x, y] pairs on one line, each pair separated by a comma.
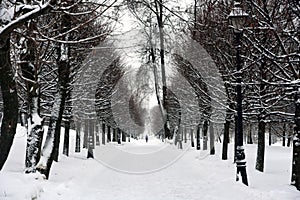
[[146, 138]]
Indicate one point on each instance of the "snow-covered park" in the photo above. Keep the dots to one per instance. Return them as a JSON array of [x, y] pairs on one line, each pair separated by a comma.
[[149, 100], [189, 174]]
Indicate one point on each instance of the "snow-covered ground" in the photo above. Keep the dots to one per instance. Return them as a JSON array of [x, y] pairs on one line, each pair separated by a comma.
[[148, 171]]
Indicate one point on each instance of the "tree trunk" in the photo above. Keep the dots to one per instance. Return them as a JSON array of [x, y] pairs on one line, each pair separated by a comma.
[[212, 139], [180, 134], [103, 133], [46, 160], [288, 141], [51, 148], [198, 138], [35, 130], [185, 134], [204, 131], [284, 134], [91, 139], [260, 157], [249, 140], [68, 116], [118, 130], [108, 134], [226, 139], [35, 122], [10, 102], [192, 138], [296, 143], [78, 130], [270, 134], [114, 139], [235, 137], [97, 134], [66, 138], [34, 143], [123, 136], [91, 136], [86, 133]]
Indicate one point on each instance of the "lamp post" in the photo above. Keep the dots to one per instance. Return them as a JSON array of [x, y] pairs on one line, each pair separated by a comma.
[[237, 19]]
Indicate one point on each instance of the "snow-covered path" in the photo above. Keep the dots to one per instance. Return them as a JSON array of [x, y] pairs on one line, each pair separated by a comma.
[[191, 176]]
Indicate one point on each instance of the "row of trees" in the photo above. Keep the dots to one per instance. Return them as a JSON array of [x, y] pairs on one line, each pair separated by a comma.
[[44, 50], [270, 51], [43, 47]]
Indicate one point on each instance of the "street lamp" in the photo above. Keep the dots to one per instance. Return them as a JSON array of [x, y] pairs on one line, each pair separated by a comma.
[[237, 19]]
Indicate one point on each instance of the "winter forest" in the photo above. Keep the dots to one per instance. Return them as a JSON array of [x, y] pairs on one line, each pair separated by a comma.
[[150, 99]]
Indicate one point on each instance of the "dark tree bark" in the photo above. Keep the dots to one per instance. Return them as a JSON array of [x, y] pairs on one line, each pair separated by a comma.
[[97, 134], [192, 138], [63, 52], [67, 122], [212, 139], [260, 146], [296, 143], [78, 130], [103, 133], [91, 135], [198, 138], [108, 134], [118, 130], [270, 134], [204, 131], [114, 139], [185, 134], [91, 139], [226, 139], [10, 101], [86, 133], [250, 141], [123, 136], [66, 138], [284, 134]]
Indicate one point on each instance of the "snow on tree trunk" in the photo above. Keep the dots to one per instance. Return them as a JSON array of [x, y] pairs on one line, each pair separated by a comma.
[[296, 143], [47, 156], [34, 137], [51, 147], [91, 136], [91, 139], [68, 113], [10, 101]]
